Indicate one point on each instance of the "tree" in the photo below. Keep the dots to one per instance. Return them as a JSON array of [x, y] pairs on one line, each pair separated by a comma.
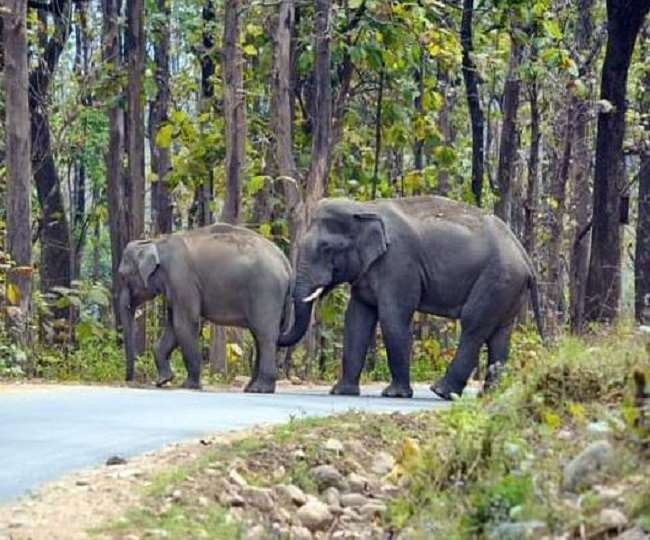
[[624, 20], [234, 112], [473, 100], [19, 210]]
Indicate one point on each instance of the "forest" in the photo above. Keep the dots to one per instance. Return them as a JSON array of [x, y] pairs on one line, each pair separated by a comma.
[[130, 120]]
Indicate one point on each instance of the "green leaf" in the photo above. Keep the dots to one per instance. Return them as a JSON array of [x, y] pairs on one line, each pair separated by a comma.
[[255, 184], [250, 50], [13, 294], [553, 29], [164, 136]]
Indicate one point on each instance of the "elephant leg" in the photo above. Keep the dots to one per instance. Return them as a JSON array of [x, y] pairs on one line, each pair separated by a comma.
[[186, 328], [461, 367], [360, 324], [498, 348], [265, 370], [396, 331], [164, 347]]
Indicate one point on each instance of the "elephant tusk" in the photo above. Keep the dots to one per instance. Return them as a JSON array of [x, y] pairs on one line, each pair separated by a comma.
[[313, 295]]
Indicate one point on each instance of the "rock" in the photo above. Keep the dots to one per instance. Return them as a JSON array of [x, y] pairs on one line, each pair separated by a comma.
[[382, 463], [279, 472], [237, 478], [328, 476], [612, 519], [357, 482], [332, 497], [299, 533], [296, 381], [299, 454], [353, 500], [260, 498], [518, 531], [388, 490], [598, 428], [351, 515], [211, 471], [115, 460], [314, 515], [240, 380], [583, 470], [290, 493], [82, 482], [281, 515], [635, 533], [256, 533], [231, 500], [373, 509], [156, 533], [203, 501], [356, 448], [334, 445], [128, 537], [609, 493], [177, 495]]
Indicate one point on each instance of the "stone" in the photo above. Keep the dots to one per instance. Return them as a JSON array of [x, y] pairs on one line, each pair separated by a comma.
[[260, 498], [156, 533], [315, 515], [357, 482], [290, 493], [373, 509], [353, 500], [609, 493], [296, 381], [231, 500], [240, 380], [237, 478], [115, 460], [177, 495], [328, 476], [636, 533], [351, 514], [332, 497], [612, 518], [598, 428], [203, 501], [382, 463], [299, 533], [82, 482], [256, 533], [334, 445], [583, 470], [281, 515], [299, 454], [131, 537], [522, 530]]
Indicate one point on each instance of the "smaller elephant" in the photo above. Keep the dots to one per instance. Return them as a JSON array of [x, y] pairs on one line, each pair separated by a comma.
[[226, 274]]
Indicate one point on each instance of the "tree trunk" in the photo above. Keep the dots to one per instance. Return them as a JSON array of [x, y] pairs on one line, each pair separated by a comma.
[[160, 156], [19, 209], [473, 100], [642, 253], [234, 112], [134, 46], [508, 144], [604, 280], [446, 126], [532, 195], [380, 97], [56, 248], [418, 146], [581, 193], [115, 188]]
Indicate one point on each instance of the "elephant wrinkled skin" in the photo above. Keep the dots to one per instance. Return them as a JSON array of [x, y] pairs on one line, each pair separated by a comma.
[[427, 254], [226, 274]]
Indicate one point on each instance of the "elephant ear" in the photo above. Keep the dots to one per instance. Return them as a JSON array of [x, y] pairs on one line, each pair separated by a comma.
[[147, 259], [373, 239]]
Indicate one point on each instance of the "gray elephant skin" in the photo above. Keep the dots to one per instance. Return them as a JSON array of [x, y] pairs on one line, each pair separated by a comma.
[[427, 254], [226, 274]]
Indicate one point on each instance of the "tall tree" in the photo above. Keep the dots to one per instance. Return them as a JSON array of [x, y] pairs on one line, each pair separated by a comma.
[[160, 155], [234, 111], [117, 201], [508, 144], [624, 20], [19, 210], [642, 253], [473, 100], [56, 259]]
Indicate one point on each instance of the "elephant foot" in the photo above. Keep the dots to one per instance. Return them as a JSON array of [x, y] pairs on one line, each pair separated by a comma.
[[260, 386], [345, 389], [163, 379], [191, 385], [492, 376], [396, 390], [444, 390]]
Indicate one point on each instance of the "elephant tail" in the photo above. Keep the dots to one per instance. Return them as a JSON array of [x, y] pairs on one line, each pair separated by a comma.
[[286, 322], [534, 298]]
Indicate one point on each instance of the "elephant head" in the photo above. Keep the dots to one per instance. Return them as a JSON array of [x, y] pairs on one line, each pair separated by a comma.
[[140, 261], [344, 239]]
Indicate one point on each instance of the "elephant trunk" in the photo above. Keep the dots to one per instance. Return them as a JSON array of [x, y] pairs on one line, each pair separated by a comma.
[[127, 313], [303, 302]]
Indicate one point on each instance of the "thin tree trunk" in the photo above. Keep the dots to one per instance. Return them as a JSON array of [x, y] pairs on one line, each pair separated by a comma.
[[134, 46], [508, 144], [19, 209], [532, 195], [446, 127], [380, 97], [473, 100], [604, 281], [581, 193], [642, 253], [418, 146]]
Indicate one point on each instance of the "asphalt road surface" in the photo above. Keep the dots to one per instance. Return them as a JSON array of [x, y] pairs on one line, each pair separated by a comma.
[[50, 431]]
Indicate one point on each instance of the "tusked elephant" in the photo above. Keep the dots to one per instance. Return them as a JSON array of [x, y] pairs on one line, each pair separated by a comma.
[[224, 273], [428, 254]]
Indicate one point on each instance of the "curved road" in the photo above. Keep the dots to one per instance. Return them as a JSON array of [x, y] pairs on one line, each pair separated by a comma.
[[48, 431]]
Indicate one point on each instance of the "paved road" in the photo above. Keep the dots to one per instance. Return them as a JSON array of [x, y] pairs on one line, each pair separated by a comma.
[[47, 432]]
